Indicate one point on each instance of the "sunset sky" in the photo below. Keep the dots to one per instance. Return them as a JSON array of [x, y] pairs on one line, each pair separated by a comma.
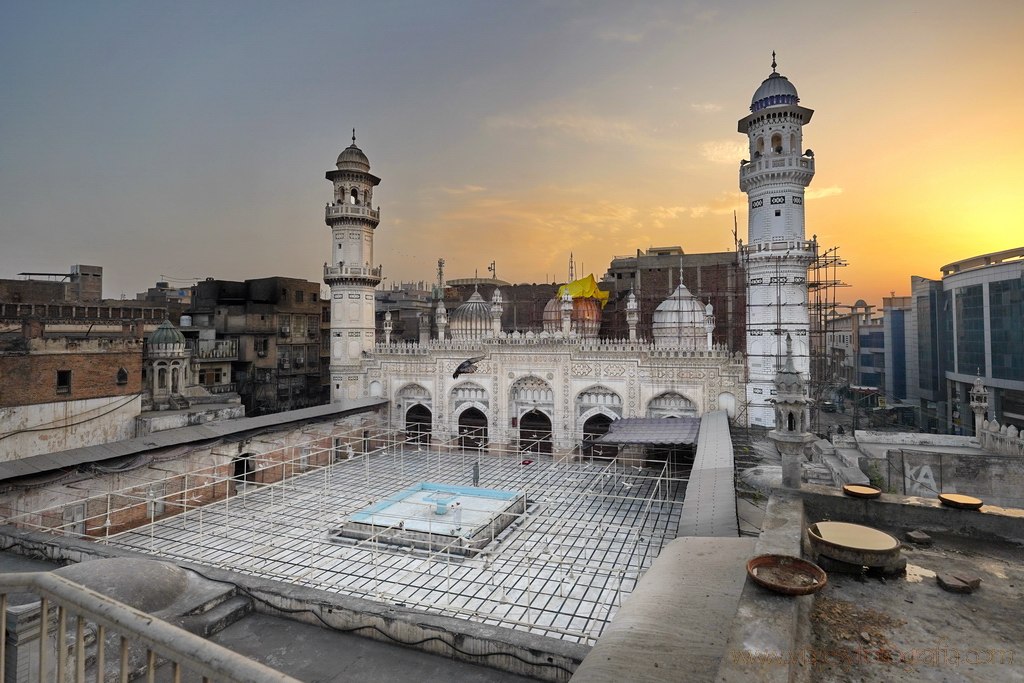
[[180, 140]]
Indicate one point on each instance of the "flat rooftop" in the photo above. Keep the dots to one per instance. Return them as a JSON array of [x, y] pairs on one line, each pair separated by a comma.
[[561, 570]]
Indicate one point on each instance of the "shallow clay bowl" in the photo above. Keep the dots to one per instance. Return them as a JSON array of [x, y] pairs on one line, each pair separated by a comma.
[[786, 574], [959, 500], [862, 491]]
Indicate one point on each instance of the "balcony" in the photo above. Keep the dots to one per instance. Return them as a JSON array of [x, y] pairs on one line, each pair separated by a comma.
[[229, 388], [87, 624], [353, 210], [213, 349], [345, 273]]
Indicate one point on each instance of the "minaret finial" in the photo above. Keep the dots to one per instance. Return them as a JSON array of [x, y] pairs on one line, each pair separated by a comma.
[[773, 66], [354, 130]]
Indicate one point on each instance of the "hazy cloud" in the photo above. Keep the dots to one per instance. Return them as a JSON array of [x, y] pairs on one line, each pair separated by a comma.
[[823, 192], [706, 107], [585, 127], [618, 36], [723, 151], [465, 189]]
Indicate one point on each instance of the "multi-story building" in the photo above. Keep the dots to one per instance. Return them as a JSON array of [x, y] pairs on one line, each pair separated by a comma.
[[268, 330], [895, 313], [966, 326], [70, 375]]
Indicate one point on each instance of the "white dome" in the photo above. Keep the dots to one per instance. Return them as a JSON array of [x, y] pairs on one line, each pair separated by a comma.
[[774, 91], [678, 322], [471, 320]]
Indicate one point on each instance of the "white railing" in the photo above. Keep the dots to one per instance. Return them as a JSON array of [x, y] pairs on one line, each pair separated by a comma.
[[85, 624], [341, 270], [350, 210]]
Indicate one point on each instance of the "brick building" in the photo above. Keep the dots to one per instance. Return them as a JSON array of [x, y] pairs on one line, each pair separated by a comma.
[[70, 375], [274, 329]]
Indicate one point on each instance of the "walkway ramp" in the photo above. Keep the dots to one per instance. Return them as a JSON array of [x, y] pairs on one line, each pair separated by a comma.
[[676, 623], [709, 508]]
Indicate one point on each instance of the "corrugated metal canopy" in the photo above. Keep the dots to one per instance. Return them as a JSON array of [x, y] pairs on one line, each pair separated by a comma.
[[48, 462], [652, 431]]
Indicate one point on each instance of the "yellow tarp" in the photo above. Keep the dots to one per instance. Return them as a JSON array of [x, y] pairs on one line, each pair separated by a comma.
[[586, 287]]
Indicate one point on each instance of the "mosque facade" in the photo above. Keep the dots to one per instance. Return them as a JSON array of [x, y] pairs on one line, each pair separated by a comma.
[[469, 378], [536, 390]]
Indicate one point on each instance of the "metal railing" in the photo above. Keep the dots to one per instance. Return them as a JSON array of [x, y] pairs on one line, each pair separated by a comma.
[[98, 623]]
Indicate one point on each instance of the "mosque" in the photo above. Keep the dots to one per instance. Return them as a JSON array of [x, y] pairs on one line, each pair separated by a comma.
[[548, 390]]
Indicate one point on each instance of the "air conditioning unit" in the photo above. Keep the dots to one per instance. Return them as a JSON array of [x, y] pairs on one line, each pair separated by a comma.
[[285, 330], [262, 353], [285, 364]]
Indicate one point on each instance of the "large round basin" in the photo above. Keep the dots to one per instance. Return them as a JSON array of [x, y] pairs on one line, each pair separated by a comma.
[[853, 543]]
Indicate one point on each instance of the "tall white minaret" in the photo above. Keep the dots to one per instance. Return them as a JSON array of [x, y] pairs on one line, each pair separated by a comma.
[[777, 253], [351, 274]]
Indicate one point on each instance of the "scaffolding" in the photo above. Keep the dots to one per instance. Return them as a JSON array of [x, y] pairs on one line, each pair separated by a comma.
[[590, 529], [822, 282]]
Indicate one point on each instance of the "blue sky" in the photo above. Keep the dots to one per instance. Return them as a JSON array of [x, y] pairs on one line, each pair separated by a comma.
[[186, 140]]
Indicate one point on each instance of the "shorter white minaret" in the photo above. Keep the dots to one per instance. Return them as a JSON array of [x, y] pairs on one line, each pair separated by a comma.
[[566, 313], [496, 309], [441, 317], [790, 434], [632, 315], [979, 404], [709, 323], [388, 327], [424, 321]]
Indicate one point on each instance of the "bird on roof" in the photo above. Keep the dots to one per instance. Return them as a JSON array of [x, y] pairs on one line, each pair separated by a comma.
[[467, 367]]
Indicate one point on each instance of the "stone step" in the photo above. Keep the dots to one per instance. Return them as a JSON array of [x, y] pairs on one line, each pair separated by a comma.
[[219, 617]]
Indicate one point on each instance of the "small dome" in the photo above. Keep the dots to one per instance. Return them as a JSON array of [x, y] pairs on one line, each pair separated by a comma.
[[166, 334], [773, 91], [353, 159], [471, 320], [678, 322], [585, 316]]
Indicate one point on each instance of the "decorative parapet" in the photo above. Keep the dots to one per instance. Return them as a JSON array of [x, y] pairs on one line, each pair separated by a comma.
[[1001, 439], [555, 340]]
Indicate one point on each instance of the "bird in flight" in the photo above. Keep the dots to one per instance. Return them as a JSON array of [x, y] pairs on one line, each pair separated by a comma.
[[467, 367]]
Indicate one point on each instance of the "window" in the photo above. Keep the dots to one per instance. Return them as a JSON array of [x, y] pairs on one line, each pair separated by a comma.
[[299, 296], [778, 212], [122, 376], [73, 517], [316, 297], [63, 381]]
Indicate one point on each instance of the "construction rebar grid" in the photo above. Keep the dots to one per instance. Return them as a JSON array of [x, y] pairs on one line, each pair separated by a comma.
[[591, 529]]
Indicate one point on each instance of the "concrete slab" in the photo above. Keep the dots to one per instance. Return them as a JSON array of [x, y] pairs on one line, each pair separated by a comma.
[[676, 623], [709, 508], [316, 654]]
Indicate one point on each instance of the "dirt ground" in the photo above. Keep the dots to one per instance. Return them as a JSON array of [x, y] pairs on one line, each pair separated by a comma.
[[869, 628]]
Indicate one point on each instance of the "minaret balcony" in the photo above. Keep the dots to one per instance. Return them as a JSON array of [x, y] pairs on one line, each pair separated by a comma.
[[342, 273], [350, 210], [774, 162], [778, 248]]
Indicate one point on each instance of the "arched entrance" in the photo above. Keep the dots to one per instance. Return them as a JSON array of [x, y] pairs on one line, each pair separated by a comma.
[[417, 424], [595, 427], [472, 429], [535, 432]]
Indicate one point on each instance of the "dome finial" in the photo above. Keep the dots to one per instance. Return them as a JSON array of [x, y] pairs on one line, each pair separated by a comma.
[[354, 130], [773, 71]]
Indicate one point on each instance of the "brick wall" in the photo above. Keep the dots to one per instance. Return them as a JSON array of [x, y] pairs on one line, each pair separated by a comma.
[[32, 378]]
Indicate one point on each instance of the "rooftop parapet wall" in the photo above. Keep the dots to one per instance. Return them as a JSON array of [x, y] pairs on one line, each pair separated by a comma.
[[1001, 439]]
